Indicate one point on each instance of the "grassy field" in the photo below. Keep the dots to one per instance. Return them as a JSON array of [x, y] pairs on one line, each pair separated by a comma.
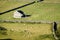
[[46, 10], [23, 31]]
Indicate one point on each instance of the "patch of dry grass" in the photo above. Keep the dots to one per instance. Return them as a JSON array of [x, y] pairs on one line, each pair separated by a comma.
[[22, 31]]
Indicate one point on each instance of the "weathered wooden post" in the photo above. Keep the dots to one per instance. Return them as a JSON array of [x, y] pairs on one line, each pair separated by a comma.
[[55, 30], [55, 26]]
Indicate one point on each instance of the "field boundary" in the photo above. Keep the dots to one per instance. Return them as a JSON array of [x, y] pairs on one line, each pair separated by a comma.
[[27, 21]]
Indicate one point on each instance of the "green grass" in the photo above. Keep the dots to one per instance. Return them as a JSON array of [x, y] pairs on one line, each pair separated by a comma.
[[10, 4], [23, 31], [38, 11], [46, 10]]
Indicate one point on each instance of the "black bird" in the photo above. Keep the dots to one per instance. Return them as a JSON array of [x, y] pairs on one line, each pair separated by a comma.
[[23, 14]]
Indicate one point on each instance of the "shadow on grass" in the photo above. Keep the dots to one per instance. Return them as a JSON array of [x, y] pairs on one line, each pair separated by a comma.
[[3, 30], [6, 39]]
